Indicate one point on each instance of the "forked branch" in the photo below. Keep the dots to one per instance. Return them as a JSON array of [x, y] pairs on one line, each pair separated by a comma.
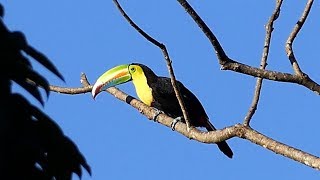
[[263, 64], [230, 64]]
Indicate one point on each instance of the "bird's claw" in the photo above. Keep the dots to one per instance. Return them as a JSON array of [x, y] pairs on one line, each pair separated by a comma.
[[156, 114], [174, 122]]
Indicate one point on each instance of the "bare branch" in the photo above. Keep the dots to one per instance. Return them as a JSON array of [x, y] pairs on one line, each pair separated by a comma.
[[166, 57], [222, 56], [292, 37], [283, 149], [229, 64], [273, 75], [237, 130], [263, 64], [70, 91]]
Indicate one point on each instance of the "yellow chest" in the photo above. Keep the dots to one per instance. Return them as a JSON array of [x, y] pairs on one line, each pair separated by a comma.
[[143, 90]]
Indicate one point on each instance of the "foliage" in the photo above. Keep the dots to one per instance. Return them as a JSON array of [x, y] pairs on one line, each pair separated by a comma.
[[33, 145]]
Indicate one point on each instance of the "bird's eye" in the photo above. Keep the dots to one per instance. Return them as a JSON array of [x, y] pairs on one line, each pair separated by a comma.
[[132, 69]]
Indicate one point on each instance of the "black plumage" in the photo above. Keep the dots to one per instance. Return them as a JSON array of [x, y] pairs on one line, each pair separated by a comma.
[[164, 99]]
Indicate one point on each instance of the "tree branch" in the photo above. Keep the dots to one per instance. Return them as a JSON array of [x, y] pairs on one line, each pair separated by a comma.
[[222, 56], [282, 149], [236, 130], [292, 37], [263, 64], [166, 57], [229, 64]]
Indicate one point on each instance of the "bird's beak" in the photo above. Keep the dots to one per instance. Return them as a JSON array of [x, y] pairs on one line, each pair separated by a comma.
[[115, 76]]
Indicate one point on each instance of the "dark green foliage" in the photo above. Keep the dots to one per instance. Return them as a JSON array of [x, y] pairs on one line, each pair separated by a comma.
[[32, 145]]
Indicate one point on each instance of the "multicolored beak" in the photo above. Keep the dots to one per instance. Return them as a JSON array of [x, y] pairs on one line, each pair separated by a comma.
[[115, 76]]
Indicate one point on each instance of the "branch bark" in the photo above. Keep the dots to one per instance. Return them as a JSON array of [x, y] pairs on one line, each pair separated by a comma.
[[237, 130]]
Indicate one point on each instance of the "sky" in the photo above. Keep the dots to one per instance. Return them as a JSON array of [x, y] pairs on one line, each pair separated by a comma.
[[120, 143]]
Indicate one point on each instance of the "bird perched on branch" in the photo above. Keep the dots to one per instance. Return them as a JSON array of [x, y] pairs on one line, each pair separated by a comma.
[[158, 92]]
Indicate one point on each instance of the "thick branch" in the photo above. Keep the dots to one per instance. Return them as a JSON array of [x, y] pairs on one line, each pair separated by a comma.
[[293, 35], [237, 130], [229, 64], [263, 64], [283, 149], [166, 57]]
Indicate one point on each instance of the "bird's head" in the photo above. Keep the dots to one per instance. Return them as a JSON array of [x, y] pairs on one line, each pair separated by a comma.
[[119, 75]]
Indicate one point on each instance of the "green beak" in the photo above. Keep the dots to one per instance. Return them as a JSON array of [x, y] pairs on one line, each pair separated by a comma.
[[115, 76]]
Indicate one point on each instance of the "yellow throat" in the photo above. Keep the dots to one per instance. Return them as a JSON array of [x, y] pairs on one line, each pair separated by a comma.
[[143, 90]]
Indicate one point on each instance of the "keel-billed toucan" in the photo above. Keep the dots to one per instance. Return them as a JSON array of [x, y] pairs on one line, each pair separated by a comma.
[[158, 92]]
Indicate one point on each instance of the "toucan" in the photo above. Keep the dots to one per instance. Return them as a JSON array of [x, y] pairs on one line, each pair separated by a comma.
[[157, 92]]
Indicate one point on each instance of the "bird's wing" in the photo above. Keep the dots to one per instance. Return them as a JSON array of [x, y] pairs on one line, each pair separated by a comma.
[[165, 98]]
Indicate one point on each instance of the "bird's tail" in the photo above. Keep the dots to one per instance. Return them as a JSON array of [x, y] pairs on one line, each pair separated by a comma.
[[223, 146]]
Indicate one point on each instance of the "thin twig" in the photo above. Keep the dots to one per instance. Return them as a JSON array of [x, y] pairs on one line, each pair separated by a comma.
[[166, 57], [236, 130], [83, 80], [293, 35], [70, 91], [263, 64]]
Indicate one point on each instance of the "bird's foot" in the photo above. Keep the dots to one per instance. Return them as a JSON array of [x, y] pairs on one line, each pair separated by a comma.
[[156, 114], [174, 122]]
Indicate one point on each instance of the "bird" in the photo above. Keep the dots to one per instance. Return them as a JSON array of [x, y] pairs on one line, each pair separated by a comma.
[[157, 92]]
